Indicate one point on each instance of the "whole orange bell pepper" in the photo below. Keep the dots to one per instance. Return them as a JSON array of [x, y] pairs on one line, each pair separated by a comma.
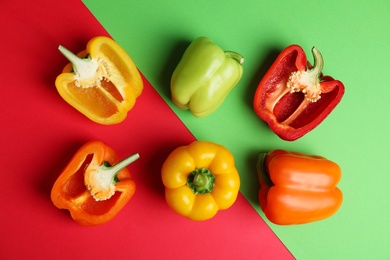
[[90, 188], [200, 179], [296, 188], [101, 82]]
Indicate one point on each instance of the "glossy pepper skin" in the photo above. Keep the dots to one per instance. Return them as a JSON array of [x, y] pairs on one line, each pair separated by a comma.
[[90, 188], [101, 82], [200, 179], [296, 188], [293, 97], [204, 77]]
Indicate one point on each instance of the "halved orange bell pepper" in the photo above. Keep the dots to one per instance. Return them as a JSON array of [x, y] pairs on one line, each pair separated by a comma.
[[90, 188], [296, 188], [101, 82], [200, 179]]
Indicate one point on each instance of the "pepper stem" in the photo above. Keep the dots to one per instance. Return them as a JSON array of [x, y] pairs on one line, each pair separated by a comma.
[[78, 64], [236, 56], [113, 170], [201, 181], [308, 82], [318, 62], [100, 180], [262, 170], [87, 70]]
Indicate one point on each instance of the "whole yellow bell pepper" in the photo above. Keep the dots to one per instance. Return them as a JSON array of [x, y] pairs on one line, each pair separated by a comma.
[[101, 82], [204, 77], [200, 179]]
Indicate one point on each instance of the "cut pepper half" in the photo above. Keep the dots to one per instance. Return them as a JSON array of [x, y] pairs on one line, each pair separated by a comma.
[[294, 97], [90, 188], [101, 82]]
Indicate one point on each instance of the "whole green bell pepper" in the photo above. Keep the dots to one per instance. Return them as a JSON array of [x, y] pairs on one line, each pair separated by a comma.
[[204, 77]]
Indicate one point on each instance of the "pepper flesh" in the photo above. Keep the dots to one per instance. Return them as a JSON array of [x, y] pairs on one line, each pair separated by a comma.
[[200, 179], [293, 97], [296, 188], [204, 77], [82, 188], [101, 82]]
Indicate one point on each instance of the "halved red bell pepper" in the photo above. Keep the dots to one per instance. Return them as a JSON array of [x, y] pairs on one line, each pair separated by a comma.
[[294, 97]]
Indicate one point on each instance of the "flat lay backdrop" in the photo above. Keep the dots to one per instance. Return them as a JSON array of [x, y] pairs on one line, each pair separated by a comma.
[[354, 39], [40, 132]]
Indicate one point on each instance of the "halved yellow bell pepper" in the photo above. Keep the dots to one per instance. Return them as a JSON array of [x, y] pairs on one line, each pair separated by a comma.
[[200, 179], [101, 82], [204, 77]]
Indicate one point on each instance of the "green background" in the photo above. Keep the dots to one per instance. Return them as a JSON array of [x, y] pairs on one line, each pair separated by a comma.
[[354, 39]]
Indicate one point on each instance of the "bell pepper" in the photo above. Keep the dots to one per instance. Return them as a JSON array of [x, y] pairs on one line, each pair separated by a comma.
[[200, 179], [204, 77], [94, 186], [101, 82], [296, 188], [294, 97]]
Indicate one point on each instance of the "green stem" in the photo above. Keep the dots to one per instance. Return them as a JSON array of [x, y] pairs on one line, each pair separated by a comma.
[[112, 171], [318, 62], [262, 172], [236, 56], [201, 181], [83, 67]]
